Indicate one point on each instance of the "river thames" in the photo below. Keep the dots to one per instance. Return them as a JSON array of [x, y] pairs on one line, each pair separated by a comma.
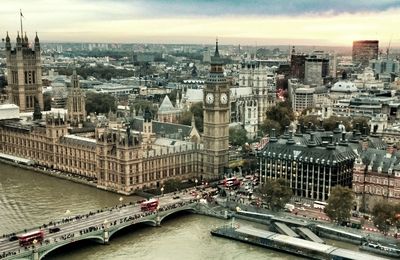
[[29, 199]]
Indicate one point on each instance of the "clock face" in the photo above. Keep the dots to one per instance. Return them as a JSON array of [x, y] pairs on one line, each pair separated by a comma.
[[210, 98], [224, 98]]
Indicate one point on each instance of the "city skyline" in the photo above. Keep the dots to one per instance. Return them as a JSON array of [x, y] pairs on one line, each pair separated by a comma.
[[262, 22]]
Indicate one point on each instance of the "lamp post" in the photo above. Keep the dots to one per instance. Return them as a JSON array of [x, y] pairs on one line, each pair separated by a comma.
[[105, 231], [35, 252], [162, 191], [121, 199], [196, 181]]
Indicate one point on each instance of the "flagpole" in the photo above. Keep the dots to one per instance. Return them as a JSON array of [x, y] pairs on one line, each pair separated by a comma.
[[20, 18]]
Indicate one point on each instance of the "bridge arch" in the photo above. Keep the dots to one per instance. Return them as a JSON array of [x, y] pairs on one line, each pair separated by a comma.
[[96, 238], [175, 211], [149, 222]]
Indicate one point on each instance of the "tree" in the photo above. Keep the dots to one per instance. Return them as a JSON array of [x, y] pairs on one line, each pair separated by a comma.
[[361, 121], [99, 103], [305, 119], [172, 185], [269, 124], [281, 113], [330, 123], [275, 193], [340, 203], [196, 110], [143, 104], [237, 136], [384, 215]]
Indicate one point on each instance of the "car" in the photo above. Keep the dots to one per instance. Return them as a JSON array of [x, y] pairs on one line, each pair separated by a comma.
[[54, 229], [175, 197], [13, 238]]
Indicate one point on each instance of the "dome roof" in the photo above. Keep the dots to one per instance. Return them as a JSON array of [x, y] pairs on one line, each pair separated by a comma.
[[344, 86]]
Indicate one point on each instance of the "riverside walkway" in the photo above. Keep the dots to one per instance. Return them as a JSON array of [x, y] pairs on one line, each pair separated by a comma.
[[101, 225]]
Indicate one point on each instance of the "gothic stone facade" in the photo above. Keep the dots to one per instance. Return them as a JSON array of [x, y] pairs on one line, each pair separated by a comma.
[[24, 74], [117, 159]]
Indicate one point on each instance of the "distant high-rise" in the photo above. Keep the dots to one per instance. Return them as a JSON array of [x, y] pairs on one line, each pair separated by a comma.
[[297, 65], [24, 73], [364, 51]]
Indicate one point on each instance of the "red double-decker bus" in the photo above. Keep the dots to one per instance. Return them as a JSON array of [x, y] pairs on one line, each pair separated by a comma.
[[28, 238], [150, 205]]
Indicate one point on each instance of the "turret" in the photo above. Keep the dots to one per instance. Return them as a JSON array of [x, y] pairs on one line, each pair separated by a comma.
[[8, 43], [19, 42], [37, 44], [25, 41]]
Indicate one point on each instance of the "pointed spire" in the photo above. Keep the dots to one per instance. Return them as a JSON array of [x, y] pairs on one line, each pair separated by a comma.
[[36, 38], [7, 38], [216, 54]]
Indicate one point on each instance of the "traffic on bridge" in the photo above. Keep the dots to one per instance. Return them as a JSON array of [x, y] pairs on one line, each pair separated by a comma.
[[99, 225]]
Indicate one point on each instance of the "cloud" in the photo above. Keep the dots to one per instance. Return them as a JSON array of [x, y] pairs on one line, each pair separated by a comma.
[[166, 8], [330, 21]]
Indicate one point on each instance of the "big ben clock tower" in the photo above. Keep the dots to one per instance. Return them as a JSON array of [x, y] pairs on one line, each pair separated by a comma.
[[216, 120]]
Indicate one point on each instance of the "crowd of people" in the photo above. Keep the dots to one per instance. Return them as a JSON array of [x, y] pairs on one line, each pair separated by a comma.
[[90, 229], [7, 254]]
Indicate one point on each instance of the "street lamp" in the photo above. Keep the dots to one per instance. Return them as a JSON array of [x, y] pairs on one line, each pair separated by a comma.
[[121, 199], [105, 224], [196, 181], [162, 191]]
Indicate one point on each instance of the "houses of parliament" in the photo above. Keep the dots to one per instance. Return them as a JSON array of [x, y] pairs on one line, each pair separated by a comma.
[[118, 157]]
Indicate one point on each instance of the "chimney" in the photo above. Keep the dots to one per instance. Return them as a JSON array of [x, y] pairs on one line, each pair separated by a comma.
[[273, 139], [298, 130], [331, 145], [286, 134], [291, 140], [343, 141], [364, 144], [365, 131], [311, 142]]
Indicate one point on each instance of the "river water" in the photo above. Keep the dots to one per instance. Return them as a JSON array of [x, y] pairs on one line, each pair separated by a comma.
[[29, 199]]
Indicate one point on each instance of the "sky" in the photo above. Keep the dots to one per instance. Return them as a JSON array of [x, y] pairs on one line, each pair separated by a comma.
[[249, 22]]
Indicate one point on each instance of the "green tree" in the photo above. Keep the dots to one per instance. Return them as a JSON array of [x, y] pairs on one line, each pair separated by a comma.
[[361, 121], [99, 103], [340, 203], [197, 111], [275, 193], [237, 136], [269, 124], [305, 119], [172, 185], [143, 104], [330, 123], [281, 113], [384, 215]]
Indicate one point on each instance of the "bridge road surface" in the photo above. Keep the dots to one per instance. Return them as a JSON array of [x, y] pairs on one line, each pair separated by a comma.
[[76, 225]]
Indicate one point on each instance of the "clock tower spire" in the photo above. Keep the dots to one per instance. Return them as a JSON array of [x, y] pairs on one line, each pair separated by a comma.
[[216, 120]]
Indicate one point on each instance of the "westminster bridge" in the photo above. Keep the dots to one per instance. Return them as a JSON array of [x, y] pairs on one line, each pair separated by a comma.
[[101, 225]]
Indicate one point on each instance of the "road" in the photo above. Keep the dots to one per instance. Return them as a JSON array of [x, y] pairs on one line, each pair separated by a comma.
[[75, 226]]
